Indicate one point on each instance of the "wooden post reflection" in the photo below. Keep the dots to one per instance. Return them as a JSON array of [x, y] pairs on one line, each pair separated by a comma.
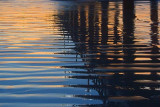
[[154, 35], [82, 23], [128, 38], [104, 25], [128, 29], [116, 31], [154, 29], [104, 31]]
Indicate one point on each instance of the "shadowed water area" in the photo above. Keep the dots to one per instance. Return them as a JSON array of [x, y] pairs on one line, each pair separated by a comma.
[[79, 53]]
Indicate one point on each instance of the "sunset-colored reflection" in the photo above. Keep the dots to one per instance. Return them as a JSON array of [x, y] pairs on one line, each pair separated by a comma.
[[22, 78], [23, 20], [30, 86], [106, 49], [30, 57], [142, 18], [28, 28]]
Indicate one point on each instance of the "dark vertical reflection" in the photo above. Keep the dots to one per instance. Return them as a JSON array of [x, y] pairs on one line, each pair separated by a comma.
[[103, 92], [128, 38], [82, 23], [104, 23], [74, 20], [128, 30], [154, 35], [116, 30], [91, 41], [104, 31], [154, 29], [110, 66]]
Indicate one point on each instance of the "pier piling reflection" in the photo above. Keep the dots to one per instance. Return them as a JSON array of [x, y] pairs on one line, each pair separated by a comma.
[[79, 53], [118, 66]]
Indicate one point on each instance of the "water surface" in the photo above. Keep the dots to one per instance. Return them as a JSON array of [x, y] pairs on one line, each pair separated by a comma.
[[76, 53]]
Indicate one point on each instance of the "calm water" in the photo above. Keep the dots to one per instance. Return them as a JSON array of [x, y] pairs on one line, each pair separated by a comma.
[[76, 53]]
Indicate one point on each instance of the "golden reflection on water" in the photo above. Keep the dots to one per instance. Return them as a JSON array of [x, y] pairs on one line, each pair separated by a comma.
[[24, 20], [92, 45], [21, 78], [30, 86], [24, 26]]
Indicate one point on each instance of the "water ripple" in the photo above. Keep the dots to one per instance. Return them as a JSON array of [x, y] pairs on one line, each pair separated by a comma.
[[79, 53]]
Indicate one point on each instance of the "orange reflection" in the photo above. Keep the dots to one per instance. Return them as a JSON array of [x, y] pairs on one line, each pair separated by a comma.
[[24, 20]]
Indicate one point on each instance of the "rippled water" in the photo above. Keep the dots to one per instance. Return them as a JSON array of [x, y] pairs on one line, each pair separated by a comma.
[[77, 53]]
